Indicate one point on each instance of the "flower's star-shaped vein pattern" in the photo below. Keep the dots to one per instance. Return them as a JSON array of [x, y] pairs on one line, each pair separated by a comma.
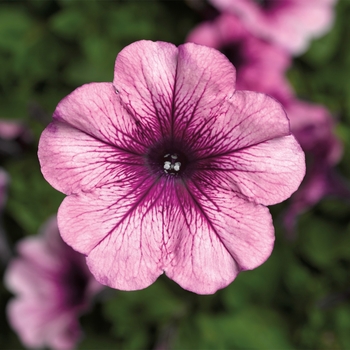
[[169, 169]]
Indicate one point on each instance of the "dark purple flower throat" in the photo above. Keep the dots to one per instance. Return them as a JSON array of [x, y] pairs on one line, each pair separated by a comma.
[[169, 158]]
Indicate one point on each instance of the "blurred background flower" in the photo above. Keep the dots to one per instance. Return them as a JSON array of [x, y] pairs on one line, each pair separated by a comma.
[[52, 287], [296, 51], [289, 24]]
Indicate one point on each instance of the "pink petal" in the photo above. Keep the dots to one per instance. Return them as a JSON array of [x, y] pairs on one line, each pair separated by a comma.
[[121, 231], [288, 23], [224, 30], [294, 25], [38, 328], [96, 110], [205, 79], [266, 173], [82, 162], [313, 127], [52, 286], [246, 119], [218, 235], [26, 280], [144, 76], [251, 146], [175, 86]]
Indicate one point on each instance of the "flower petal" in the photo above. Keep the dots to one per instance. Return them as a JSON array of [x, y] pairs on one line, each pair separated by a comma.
[[120, 229], [247, 119], [252, 147], [39, 328], [266, 173], [96, 110], [205, 79], [288, 23], [82, 162], [175, 86], [224, 234], [144, 76]]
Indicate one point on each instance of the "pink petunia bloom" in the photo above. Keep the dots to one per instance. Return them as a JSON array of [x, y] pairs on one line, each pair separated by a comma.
[[260, 66], [52, 287], [13, 136], [290, 24], [169, 169], [11, 129], [313, 127]]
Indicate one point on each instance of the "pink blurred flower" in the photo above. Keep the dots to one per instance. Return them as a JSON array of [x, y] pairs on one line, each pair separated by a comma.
[[13, 135], [11, 129], [52, 287], [225, 29], [260, 66], [169, 169], [290, 24], [313, 126]]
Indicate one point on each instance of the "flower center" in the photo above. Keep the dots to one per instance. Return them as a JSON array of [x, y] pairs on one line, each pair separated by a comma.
[[174, 163], [74, 283], [168, 160]]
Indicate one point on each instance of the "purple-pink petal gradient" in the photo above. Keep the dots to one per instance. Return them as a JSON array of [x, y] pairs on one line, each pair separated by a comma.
[[52, 287], [169, 168], [290, 24]]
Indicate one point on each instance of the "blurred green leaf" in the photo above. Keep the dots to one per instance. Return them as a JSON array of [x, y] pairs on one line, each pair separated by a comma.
[[320, 241], [15, 29], [248, 328], [135, 315], [69, 23]]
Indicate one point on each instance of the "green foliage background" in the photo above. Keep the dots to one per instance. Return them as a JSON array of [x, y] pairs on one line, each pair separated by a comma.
[[299, 299]]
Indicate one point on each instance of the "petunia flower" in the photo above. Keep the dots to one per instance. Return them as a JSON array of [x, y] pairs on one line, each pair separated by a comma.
[[52, 287], [290, 24], [313, 126], [14, 136], [170, 169]]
